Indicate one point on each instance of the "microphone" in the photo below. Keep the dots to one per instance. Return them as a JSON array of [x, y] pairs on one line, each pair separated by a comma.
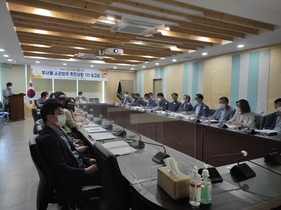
[[215, 177], [249, 130], [159, 157], [122, 132], [273, 157]]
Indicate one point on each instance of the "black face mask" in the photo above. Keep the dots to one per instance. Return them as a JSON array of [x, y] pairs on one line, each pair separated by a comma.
[[70, 106]]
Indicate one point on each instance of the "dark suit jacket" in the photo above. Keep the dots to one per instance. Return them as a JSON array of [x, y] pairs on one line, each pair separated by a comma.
[[229, 112], [164, 104], [174, 106], [184, 107], [270, 121], [68, 175], [204, 110]]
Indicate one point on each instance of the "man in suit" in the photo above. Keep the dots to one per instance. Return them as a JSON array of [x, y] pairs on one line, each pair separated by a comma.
[[70, 170], [148, 101], [185, 105], [273, 120], [224, 113], [163, 103], [174, 105], [200, 108], [126, 98]]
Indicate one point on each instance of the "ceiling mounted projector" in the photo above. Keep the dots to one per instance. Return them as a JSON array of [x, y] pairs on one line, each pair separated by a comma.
[[113, 51]]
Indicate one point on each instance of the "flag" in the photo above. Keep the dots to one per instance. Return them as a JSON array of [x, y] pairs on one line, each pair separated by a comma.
[[119, 91], [31, 92]]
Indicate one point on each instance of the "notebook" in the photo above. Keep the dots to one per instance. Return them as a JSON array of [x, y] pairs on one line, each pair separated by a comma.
[[119, 147]]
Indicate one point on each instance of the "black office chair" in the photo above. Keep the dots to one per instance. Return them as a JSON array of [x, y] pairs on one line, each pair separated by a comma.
[[46, 193], [115, 193], [259, 121]]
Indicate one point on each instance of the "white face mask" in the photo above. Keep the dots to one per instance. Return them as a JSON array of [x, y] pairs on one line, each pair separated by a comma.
[[158, 99], [222, 106], [182, 101], [125, 95], [61, 120], [279, 109], [237, 109]]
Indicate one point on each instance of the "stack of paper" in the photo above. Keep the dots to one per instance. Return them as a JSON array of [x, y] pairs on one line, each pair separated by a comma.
[[267, 132], [102, 136], [119, 147], [95, 129]]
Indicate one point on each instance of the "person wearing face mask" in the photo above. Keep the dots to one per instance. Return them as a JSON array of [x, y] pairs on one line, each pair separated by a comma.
[[70, 170], [163, 104], [69, 108], [185, 106], [148, 101], [174, 105], [200, 108], [126, 98], [224, 113], [273, 120], [6, 93], [243, 116]]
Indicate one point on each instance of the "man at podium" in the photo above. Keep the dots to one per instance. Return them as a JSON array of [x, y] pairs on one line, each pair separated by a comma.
[[6, 93]]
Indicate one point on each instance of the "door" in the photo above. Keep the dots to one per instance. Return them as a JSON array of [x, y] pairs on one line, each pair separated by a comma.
[[157, 87]]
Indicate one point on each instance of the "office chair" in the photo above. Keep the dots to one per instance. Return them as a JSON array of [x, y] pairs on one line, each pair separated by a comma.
[[46, 193], [115, 193], [259, 121]]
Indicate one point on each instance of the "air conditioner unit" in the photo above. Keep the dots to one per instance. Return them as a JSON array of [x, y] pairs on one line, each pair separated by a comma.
[[113, 51], [135, 27], [86, 55]]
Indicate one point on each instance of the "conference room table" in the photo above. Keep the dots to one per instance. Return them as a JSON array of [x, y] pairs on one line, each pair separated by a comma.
[[260, 192], [200, 140]]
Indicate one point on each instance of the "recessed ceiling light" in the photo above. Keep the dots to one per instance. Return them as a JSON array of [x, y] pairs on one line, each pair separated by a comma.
[[2, 50], [115, 67], [9, 60], [146, 62], [37, 61], [162, 58], [240, 46], [6, 56], [92, 66], [110, 18], [174, 60], [156, 64], [167, 28], [64, 64], [204, 53], [132, 68], [143, 66]]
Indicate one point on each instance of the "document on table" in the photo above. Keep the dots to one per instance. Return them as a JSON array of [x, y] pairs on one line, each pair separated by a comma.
[[95, 129], [267, 132], [119, 147], [102, 136]]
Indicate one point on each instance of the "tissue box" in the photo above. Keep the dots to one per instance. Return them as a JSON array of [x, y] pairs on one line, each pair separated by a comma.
[[176, 186]]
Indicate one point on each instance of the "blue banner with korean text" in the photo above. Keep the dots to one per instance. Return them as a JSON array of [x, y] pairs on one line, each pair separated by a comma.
[[53, 72]]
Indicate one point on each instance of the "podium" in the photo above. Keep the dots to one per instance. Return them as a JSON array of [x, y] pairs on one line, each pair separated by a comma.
[[16, 107]]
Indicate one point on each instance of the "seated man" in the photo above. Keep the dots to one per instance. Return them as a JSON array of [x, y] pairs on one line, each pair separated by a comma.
[[200, 108], [126, 98], [174, 105], [148, 101], [163, 103], [186, 106], [224, 113], [40, 101], [273, 120], [70, 170]]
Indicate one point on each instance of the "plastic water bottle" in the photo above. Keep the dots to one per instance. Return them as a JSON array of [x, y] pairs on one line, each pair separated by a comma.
[[195, 188], [206, 187]]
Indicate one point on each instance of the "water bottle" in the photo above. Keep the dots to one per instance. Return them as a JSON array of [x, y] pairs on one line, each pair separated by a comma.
[[195, 188]]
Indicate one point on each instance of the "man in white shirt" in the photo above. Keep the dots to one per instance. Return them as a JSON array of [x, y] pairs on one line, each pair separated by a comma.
[[6, 93]]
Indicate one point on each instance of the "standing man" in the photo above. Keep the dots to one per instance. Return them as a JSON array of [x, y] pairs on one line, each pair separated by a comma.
[[6, 93], [200, 108]]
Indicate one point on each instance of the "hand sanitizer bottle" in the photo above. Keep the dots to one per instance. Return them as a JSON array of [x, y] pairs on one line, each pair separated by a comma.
[[195, 188], [206, 187]]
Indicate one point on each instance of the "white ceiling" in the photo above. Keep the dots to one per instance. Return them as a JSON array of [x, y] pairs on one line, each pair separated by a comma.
[[266, 11]]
